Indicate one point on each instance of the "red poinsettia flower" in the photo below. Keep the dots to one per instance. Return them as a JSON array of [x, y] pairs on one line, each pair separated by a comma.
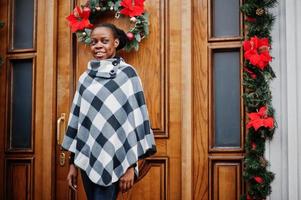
[[260, 119], [258, 179], [79, 19], [132, 8], [257, 52]]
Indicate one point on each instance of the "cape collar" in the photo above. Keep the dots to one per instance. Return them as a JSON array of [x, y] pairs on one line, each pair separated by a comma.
[[104, 68]]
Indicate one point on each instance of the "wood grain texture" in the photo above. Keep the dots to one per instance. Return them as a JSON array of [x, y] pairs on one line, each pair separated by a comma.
[[225, 178], [39, 170], [203, 119], [64, 94], [200, 100], [175, 97], [19, 178], [46, 98], [148, 187], [187, 112]]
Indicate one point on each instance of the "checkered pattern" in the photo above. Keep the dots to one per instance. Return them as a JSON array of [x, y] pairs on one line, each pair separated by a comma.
[[108, 127]]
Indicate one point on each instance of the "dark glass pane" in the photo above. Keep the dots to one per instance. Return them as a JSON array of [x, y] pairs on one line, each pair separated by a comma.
[[21, 103], [225, 18], [226, 77], [23, 24]]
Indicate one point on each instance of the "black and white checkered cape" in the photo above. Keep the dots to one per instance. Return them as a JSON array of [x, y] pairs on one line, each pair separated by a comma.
[[108, 127]]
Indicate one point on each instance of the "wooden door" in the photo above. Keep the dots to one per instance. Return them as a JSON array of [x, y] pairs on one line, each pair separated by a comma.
[[182, 66], [218, 134], [160, 175], [26, 99]]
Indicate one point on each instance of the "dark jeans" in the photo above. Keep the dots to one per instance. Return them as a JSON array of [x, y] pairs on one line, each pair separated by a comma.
[[98, 192]]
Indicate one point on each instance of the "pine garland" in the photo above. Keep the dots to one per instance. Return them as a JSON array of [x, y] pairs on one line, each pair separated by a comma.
[[257, 96]]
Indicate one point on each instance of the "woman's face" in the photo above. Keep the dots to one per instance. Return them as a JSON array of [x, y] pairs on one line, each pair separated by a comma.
[[103, 43]]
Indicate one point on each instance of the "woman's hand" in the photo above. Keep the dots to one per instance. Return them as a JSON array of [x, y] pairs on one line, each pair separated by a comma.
[[72, 177], [127, 180]]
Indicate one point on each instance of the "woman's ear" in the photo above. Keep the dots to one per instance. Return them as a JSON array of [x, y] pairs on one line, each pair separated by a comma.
[[116, 43]]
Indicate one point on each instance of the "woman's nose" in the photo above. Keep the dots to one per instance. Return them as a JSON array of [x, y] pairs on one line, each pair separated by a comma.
[[98, 45]]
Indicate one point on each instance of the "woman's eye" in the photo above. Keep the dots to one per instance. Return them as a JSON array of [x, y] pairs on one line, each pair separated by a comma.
[[93, 42]]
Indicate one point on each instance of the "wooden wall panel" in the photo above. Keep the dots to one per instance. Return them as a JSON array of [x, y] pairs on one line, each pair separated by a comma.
[[225, 178], [19, 178], [148, 187]]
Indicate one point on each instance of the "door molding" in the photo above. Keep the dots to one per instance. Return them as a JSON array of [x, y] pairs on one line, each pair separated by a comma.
[[186, 66], [46, 93]]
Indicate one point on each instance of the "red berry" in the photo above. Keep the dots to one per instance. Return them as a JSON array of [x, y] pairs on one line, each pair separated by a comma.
[[130, 36], [258, 179]]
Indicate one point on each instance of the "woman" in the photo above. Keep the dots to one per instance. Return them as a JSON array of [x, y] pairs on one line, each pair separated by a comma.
[[108, 127]]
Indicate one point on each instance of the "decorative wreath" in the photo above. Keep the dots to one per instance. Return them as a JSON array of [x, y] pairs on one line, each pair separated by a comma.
[[83, 17]]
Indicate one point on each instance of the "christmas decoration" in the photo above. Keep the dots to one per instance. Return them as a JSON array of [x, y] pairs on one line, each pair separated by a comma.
[[260, 11], [79, 20], [257, 76], [133, 19], [130, 36], [250, 19], [132, 9], [258, 179], [83, 18], [260, 119], [254, 145], [257, 52]]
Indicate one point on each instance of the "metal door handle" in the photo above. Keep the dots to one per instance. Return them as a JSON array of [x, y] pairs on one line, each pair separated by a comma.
[[60, 120]]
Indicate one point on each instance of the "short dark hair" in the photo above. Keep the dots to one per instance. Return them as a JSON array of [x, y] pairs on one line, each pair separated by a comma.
[[117, 33]]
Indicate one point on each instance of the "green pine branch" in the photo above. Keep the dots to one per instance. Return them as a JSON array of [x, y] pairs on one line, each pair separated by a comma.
[[257, 93]]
